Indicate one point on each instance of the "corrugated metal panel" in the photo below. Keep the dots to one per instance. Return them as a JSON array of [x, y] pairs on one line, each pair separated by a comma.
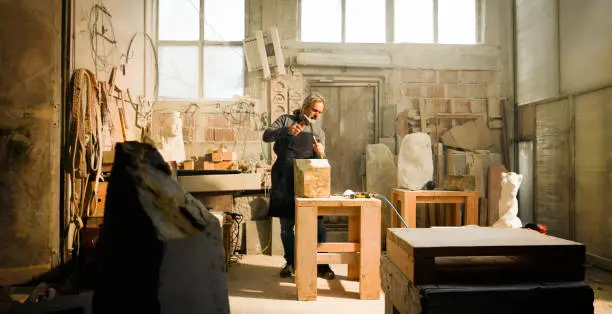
[[552, 173], [525, 196], [594, 171]]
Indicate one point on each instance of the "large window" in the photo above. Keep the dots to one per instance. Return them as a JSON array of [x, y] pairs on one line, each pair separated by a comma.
[[200, 48], [412, 21], [336, 21], [436, 21]]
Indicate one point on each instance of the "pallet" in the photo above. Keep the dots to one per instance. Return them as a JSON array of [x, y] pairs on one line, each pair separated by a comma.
[[483, 255]]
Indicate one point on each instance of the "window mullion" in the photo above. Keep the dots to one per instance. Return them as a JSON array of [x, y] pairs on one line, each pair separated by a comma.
[[390, 21], [201, 53], [478, 31], [435, 20], [343, 21]]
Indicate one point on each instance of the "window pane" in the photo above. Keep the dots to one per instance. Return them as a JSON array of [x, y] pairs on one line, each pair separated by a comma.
[[223, 72], [179, 20], [414, 21], [365, 21], [178, 72], [457, 21], [224, 20], [321, 21]]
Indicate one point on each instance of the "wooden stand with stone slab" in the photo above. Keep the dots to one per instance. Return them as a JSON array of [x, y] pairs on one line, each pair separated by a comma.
[[483, 270]]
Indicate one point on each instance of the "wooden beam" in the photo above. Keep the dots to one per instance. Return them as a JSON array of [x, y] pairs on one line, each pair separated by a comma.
[[337, 258], [338, 247]]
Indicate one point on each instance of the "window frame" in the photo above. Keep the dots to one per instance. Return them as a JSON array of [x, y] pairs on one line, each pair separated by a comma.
[[390, 24], [201, 43]]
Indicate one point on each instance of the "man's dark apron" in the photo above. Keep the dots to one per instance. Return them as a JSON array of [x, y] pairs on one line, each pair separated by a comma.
[[282, 195]]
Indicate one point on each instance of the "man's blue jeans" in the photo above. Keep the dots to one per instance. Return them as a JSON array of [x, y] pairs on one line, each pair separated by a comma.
[[288, 236]]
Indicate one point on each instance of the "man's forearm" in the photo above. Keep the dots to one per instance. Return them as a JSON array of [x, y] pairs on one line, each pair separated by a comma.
[[273, 134]]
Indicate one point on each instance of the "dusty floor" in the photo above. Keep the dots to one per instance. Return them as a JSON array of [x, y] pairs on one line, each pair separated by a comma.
[[601, 282], [255, 287]]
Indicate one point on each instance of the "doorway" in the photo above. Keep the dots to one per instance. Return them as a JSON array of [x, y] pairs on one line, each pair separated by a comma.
[[350, 123]]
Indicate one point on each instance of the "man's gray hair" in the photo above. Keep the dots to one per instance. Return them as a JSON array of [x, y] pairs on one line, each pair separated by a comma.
[[312, 99]]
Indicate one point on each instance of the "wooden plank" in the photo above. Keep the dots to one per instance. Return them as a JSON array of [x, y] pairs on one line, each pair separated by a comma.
[[305, 257], [483, 241], [433, 192], [354, 231], [221, 182], [494, 194], [471, 210], [337, 258], [441, 199], [409, 209], [216, 202], [336, 202], [369, 259], [338, 247], [483, 211], [338, 211], [400, 294]]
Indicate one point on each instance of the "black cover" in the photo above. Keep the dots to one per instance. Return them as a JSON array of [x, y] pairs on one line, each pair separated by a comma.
[[533, 298]]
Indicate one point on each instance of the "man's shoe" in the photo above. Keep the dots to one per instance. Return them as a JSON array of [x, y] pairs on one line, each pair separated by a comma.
[[324, 271], [287, 271]]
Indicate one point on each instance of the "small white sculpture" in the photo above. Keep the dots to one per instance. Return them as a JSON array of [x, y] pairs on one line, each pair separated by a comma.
[[508, 204], [172, 145], [415, 162]]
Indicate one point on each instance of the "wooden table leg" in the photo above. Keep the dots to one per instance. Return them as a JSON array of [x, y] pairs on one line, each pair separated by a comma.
[[306, 253], [354, 232], [456, 214], [409, 210], [394, 222], [471, 210], [369, 257]]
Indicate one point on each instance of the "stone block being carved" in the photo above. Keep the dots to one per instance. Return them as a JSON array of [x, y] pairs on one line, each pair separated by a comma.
[[312, 178]]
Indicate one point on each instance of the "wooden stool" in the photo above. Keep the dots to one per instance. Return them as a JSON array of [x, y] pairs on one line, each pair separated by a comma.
[[405, 202], [361, 253]]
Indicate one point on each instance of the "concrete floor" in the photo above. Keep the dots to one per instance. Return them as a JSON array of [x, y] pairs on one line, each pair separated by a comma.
[[255, 287]]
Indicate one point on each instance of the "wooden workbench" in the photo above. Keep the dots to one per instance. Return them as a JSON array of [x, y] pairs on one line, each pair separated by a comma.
[[405, 202], [361, 253]]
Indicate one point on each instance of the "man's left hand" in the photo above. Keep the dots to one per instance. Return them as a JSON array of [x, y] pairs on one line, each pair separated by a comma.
[[319, 149]]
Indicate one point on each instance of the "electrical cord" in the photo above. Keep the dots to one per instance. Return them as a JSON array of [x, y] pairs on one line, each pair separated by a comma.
[[380, 196]]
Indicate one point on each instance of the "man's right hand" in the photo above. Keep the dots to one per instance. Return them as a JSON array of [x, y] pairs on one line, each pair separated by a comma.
[[294, 129]]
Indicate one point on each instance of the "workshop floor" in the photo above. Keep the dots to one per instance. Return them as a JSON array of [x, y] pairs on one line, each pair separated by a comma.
[[255, 287]]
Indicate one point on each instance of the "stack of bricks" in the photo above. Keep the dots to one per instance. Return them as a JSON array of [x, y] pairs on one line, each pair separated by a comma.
[[217, 159], [443, 91]]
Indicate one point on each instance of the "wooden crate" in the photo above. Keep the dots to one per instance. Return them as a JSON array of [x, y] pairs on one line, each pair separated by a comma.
[[483, 255]]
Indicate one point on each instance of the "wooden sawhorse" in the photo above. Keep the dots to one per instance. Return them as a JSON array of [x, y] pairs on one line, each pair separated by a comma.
[[408, 200], [361, 253]]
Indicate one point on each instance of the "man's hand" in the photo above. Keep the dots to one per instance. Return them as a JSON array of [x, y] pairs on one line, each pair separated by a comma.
[[319, 149], [294, 129]]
